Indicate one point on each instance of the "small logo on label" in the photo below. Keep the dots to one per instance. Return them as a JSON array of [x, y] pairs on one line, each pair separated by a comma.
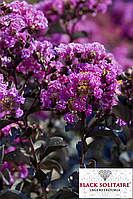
[[105, 183], [105, 174]]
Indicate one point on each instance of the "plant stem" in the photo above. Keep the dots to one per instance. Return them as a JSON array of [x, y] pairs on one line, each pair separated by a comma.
[[32, 146], [24, 87], [14, 76], [91, 129], [1, 182], [82, 142], [34, 153], [44, 195], [34, 101], [131, 129]]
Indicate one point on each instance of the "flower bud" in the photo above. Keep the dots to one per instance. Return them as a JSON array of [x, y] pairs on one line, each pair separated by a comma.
[[31, 29], [108, 59], [36, 55], [53, 77], [3, 5], [8, 10], [129, 72], [91, 54], [47, 190], [12, 33], [64, 70], [45, 82], [68, 60], [27, 45], [78, 55], [118, 77], [124, 76]]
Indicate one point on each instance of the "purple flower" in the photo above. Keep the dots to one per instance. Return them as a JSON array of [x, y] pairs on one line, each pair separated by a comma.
[[20, 168], [37, 53], [17, 23], [79, 104], [98, 6], [7, 128], [88, 110], [47, 5], [30, 16], [69, 117], [120, 122], [60, 104], [85, 79], [18, 112], [122, 11], [23, 172], [74, 2], [9, 99], [45, 99], [98, 93]]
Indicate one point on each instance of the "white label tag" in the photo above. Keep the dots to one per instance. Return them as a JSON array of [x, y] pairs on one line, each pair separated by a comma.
[[105, 183]]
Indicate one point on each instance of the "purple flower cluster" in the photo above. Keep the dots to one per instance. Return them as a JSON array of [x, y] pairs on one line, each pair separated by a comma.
[[10, 100], [20, 168], [58, 7], [121, 54], [91, 28], [19, 15], [17, 21], [84, 77], [19, 51], [98, 6], [5, 130], [36, 57], [50, 8], [123, 14]]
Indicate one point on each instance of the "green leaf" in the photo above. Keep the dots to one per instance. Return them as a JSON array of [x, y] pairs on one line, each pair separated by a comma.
[[126, 158], [38, 144], [51, 145], [5, 122], [122, 112], [31, 172], [55, 175], [130, 145], [13, 134], [126, 132], [16, 156], [40, 175], [129, 103], [17, 60], [16, 183], [56, 28], [32, 93], [6, 176], [36, 109], [78, 126], [104, 133], [1, 153], [78, 34], [120, 98], [27, 133], [63, 194], [11, 194], [68, 126], [90, 121], [73, 180], [49, 164]]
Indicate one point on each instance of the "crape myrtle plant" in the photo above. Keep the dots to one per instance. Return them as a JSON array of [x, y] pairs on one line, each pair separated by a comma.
[[81, 82]]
